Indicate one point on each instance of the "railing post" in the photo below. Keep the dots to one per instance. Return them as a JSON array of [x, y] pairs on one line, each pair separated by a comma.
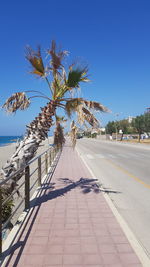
[[53, 153], [50, 158], [0, 220], [27, 187], [39, 171], [46, 163]]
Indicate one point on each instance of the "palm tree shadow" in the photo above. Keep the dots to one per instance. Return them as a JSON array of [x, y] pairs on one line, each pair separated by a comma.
[[85, 184]]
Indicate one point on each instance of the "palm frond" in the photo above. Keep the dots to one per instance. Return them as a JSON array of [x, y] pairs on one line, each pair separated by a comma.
[[90, 118], [36, 61], [57, 57], [71, 105], [75, 76], [73, 133], [60, 119], [56, 87], [95, 105], [61, 91], [59, 138], [80, 114], [16, 101]]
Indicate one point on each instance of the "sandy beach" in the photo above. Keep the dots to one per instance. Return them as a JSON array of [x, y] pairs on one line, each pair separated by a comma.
[[7, 151]]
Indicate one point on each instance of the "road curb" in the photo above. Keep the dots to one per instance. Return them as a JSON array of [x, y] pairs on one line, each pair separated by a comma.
[[137, 247]]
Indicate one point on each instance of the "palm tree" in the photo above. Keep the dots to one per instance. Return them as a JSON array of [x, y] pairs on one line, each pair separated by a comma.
[[62, 84]]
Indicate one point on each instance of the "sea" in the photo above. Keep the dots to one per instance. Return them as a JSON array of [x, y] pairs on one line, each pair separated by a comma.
[[6, 140]]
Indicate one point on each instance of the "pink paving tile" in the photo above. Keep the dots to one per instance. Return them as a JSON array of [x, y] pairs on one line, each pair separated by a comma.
[[54, 249], [91, 259], [86, 232], [57, 233], [72, 226], [129, 258], [89, 248], [84, 220], [56, 240], [99, 226], [71, 259], [72, 240], [35, 249], [87, 226], [34, 260], [101, 232], [64, 265], [72, 249], [72, 232], [39, 240], [116, 265], [104, 240], [75, 229], [53, 259], [88, 240], [41, 226], [41, 233], [45, 220], [124, 248], [119, 239], [57, 226], [108, 248], [116, 231], [111, 258]]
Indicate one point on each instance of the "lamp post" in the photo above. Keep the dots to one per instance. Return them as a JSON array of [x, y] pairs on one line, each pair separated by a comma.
[[116, 114]]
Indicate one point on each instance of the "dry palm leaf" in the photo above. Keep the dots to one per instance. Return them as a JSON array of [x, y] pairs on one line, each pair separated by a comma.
[[90, 118], [57, 58], [36, 61], [71, 105], [73, 133], [95, 105], [59, 139], [16, 101]]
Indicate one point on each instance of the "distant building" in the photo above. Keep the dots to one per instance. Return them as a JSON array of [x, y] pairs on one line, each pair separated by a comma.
[[130, 118], [102, 129]]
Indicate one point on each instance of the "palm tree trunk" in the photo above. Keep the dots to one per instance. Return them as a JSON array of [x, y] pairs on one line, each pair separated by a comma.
[[37, 131]]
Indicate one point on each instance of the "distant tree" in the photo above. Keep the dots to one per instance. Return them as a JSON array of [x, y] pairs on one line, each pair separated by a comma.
[[111, 127], [124, 126], [139, 124], [147, 122]]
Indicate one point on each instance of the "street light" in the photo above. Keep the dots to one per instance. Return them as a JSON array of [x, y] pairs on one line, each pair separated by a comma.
[[117, 114]]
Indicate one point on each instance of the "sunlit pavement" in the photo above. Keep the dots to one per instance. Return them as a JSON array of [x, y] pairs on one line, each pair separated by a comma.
[[71, 224]]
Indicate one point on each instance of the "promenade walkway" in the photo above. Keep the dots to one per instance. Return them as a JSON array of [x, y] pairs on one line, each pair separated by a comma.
[[71, 224]]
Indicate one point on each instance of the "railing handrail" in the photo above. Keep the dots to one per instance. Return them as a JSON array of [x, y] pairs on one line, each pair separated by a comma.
[[3, 181]]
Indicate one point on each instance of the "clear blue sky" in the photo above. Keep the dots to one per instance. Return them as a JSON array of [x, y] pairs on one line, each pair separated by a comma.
[[112, 36]]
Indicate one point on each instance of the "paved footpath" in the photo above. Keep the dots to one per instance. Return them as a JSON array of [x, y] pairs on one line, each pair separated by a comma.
[[71, 224]]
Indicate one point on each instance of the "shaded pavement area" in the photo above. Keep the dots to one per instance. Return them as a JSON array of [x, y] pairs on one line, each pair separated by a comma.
[[71, 224]]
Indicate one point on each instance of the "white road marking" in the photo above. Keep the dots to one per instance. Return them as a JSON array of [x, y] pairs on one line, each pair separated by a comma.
[[89, 156], [127, 156]]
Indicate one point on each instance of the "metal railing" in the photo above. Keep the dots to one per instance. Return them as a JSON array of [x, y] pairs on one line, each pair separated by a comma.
[[39, 167]]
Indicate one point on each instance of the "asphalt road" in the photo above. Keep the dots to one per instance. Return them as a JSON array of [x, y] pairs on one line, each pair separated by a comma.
[[124, 172]]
